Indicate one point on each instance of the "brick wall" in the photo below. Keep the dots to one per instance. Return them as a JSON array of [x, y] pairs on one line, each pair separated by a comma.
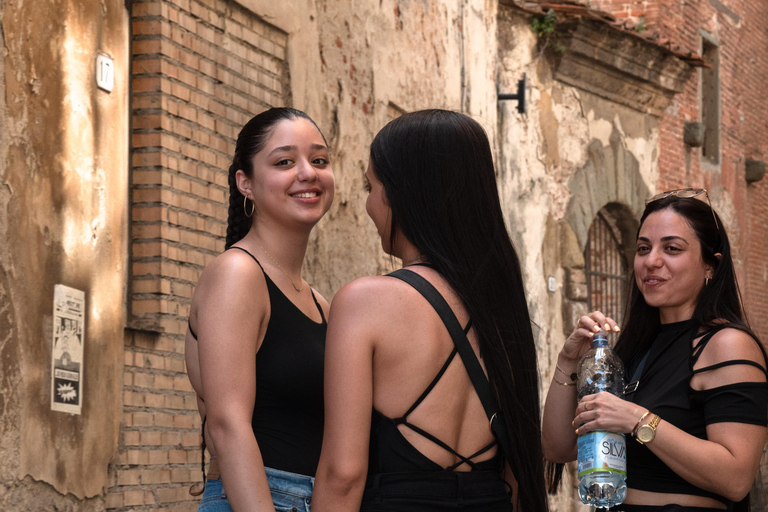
[[200, 70], [753, 75], [633, 9], [738, 27]]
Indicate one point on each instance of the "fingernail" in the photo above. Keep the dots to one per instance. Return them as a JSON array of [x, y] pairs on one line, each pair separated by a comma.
[[590, 334], [607, 327], [597, 328], [573, 424], [576, 431], [616, 328]]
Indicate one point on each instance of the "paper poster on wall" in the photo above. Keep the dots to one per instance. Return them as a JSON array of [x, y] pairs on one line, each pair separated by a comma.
[[67, 353]]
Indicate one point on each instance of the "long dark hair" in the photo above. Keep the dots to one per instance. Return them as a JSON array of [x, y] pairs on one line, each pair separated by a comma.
[[438, 174], [252, 139], [719, 303]]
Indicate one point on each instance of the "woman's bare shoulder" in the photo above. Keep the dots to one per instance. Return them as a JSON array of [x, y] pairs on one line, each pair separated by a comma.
[[732, 343], [371, 290], [231, 269], [232, 280]]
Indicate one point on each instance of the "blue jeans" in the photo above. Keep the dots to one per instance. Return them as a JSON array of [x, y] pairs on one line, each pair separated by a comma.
[[290, 493]]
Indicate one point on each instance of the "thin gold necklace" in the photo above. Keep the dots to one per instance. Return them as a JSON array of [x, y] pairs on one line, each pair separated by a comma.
[[281, 268]]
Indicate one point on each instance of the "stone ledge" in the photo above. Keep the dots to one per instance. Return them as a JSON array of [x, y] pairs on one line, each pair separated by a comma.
[[619, 66]]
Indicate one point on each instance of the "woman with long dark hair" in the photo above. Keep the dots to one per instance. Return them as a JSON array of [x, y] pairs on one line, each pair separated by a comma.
[[256, 337], [697, 399], [405, 428]]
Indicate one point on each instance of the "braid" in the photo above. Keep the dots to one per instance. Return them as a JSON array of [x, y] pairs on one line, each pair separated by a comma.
[[237, 223]]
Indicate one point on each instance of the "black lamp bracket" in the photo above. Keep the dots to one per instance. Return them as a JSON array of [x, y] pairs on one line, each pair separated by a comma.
[[522, 85]]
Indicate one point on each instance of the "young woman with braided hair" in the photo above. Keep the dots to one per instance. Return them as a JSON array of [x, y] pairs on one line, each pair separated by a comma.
[[256, 337]]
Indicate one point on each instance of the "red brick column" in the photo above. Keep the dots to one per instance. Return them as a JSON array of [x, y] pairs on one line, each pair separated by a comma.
[[200, 70]]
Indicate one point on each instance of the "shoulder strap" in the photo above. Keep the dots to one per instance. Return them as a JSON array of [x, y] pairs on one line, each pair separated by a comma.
[[266, 276], [472, 365], [429, 389], [320, 309], [191, 331], [699, 348], [731, 362]]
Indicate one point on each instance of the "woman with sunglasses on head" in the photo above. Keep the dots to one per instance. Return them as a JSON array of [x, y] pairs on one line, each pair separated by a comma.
[[255, 344], [697, 400], [414, 357]]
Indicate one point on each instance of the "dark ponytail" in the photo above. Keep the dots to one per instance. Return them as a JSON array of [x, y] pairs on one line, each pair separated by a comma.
[[252, 139]]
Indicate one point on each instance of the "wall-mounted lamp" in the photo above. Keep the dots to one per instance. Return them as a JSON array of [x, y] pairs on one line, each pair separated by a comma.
[[522, 85]]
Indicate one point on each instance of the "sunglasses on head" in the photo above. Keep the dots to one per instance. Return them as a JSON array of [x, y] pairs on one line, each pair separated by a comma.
[[685, 193]]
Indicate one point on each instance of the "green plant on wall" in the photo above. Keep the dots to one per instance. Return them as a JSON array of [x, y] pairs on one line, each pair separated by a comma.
[[545, 29]]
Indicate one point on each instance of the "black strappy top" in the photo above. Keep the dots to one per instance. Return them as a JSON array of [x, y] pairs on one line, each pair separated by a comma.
[[390, 451], [665, 389], [288, 412]]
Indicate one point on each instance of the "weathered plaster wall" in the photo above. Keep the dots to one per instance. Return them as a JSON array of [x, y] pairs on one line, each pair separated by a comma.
[[378, 60], [570, 155], [63, 164], [566, 132]]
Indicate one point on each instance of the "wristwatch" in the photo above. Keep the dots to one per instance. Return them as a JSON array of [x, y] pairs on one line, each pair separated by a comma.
[[645, 433]]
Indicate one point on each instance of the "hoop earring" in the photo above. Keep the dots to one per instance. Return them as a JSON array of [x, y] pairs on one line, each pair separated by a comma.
[[245, 207], [707, 280]]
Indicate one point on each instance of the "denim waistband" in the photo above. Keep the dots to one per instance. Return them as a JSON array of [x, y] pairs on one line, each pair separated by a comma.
[[292, 483]]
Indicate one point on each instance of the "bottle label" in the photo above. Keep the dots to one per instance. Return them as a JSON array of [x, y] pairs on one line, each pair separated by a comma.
[[602, 451]]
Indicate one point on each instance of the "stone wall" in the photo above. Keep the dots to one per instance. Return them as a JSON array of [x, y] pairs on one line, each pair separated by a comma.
[[589, 141]]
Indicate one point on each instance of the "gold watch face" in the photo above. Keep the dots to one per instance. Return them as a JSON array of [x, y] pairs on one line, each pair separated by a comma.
[[645, 434]]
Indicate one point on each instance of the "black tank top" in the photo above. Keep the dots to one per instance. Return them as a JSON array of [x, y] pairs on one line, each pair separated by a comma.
[[288, 413], [391, 452]]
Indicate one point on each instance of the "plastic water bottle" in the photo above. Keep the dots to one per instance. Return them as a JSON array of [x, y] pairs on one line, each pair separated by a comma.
[[602, 455]]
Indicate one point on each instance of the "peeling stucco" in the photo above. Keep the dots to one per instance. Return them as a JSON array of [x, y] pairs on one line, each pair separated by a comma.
[[63, 220]]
